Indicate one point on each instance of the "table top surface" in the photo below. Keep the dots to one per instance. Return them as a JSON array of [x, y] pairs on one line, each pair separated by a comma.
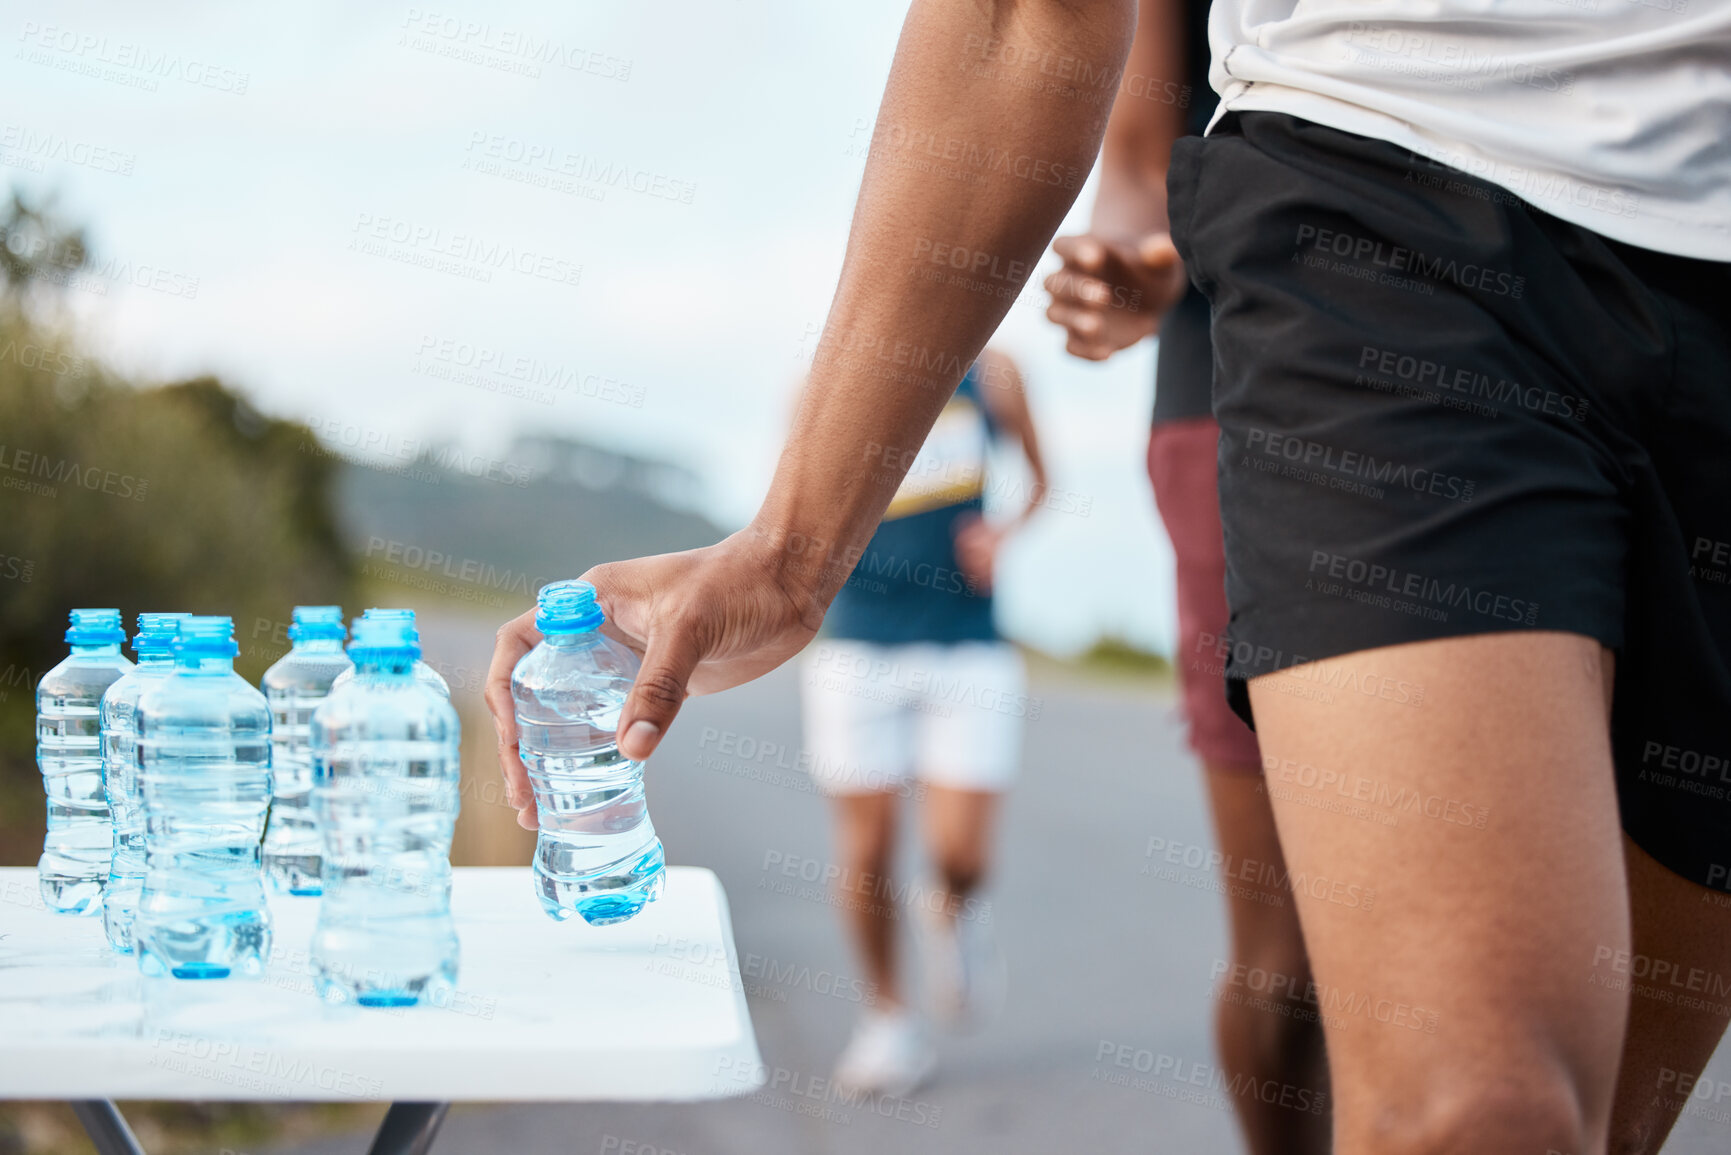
[[649, 1009]]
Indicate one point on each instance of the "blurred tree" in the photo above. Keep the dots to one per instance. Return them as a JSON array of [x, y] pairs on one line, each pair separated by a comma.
[[177, 497]]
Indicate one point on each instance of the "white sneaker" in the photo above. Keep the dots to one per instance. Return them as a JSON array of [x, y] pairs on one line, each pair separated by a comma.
[[966, 977], [889, 1054]]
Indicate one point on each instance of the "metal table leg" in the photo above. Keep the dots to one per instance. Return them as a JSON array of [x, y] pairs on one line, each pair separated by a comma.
[[408, 1129], [106, 1127]]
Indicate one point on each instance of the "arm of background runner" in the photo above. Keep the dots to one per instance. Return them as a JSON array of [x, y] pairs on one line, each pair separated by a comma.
[[1006, 399], [1122, 276], [990, 121]]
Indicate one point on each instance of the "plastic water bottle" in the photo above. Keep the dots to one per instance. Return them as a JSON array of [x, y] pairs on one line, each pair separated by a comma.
[[154, 645], [385, 791], [294, 687], [204, 775], [596, 854], [75, 853], [424, 673]]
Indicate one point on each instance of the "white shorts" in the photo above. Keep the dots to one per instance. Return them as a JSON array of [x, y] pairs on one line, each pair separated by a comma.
[[878, 717]]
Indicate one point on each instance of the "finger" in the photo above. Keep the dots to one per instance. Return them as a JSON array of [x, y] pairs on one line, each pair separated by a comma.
[[1089, 350], [1081, 323], [673, 653], [1157, 251], [1074, 288], [515, 638], [1084, 252]]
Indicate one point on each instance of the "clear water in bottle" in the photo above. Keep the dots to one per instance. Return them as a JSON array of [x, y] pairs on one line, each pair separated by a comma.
[[294, 687], [79, 842], [596, 854], [424, 673], [154, 645], [204, 776], [385, 792]]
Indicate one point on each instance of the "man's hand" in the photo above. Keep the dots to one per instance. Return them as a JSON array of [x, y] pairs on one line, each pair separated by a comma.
[[703, 620], [1109, 296], [977, 544]]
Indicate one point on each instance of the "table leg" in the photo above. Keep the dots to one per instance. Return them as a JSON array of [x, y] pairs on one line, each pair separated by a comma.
[[106, 1127], [409, 1129]]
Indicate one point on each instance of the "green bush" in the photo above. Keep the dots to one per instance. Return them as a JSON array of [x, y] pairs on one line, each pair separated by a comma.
[[173, 497]]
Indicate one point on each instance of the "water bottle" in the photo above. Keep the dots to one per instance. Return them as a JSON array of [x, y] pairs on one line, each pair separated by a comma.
[[596, 854], [204, 776], [74, 863], [424, 673], [154, 645], [294, 687], [385, 795]]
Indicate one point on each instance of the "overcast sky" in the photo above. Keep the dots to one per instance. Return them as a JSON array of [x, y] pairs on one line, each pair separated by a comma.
[[358, 212]]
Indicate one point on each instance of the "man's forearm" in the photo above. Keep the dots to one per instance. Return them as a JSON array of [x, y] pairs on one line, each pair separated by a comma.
[[989, 124], [1147, 118]]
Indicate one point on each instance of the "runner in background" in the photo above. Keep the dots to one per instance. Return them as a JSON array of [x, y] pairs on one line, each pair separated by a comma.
[[1121, 282], [910, 692]]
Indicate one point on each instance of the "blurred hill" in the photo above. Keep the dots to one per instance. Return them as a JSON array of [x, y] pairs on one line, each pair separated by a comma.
[[491, 531]]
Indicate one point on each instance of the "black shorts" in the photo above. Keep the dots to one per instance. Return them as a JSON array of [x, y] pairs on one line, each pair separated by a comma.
[[1444, 412]]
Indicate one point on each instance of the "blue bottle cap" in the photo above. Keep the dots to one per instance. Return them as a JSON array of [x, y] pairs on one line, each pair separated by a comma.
[[95, 628], [205, 636], [380, 635], [317, 623], [567, 607], [156, 634]]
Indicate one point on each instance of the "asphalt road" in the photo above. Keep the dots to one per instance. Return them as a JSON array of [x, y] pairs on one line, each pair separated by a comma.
[[1102, 956]]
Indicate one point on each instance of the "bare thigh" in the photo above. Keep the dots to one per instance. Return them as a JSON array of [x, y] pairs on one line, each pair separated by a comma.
[[1678, 975], [1485, 820]]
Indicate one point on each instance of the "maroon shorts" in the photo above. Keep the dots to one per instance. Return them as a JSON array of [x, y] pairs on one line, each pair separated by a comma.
[[1183, 465]]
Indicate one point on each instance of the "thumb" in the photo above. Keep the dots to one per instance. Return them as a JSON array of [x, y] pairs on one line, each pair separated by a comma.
[[1082, 252], [1157, 251], [668, 660]]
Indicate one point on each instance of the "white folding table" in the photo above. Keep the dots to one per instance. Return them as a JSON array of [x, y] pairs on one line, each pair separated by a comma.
[[650, 1009]]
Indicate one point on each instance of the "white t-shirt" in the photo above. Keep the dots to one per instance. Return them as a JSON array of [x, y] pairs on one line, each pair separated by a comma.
[[1611, 114]]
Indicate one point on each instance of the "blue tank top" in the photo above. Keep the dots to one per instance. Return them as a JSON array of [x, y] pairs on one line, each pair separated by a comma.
[[907, 586]]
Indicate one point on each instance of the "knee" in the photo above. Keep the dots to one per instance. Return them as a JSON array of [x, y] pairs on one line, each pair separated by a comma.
[[1272, 1033], [1494, 1107], [960, 868]]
